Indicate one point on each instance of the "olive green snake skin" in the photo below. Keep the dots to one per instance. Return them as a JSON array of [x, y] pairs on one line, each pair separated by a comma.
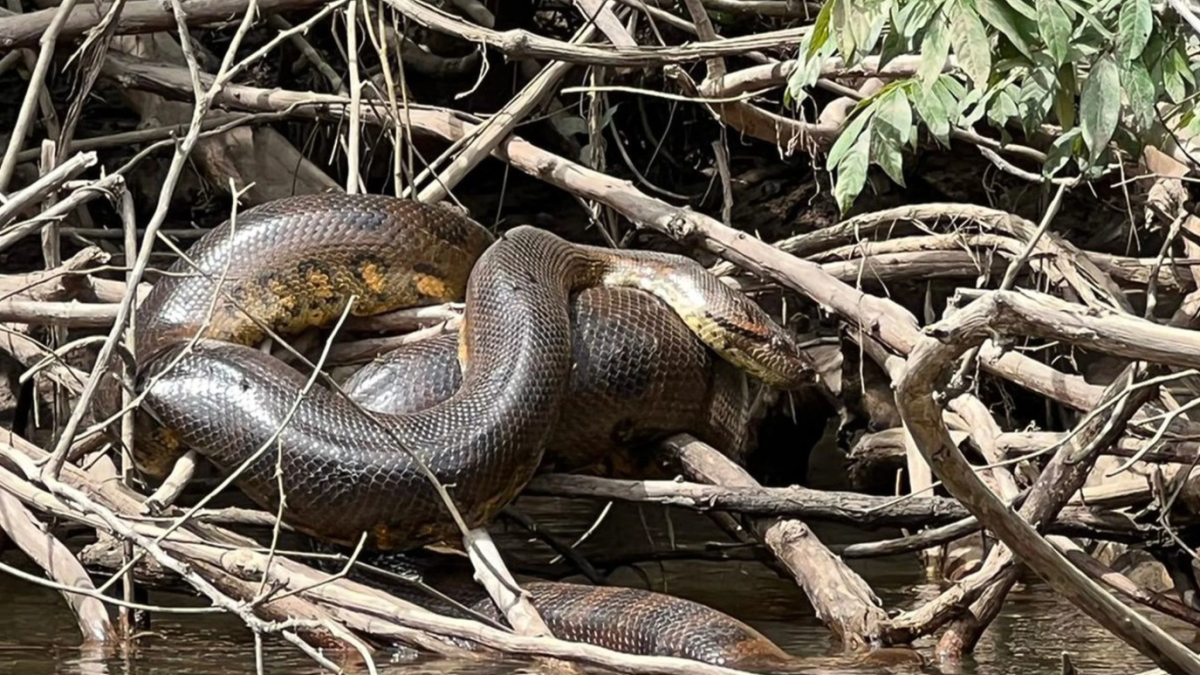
[[552, 333]]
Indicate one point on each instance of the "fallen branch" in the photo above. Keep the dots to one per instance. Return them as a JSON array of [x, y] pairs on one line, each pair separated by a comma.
[[843, 600], [59, 564], [138, 17], [28, 197], [849, 508], [931, 360], [519, 44]]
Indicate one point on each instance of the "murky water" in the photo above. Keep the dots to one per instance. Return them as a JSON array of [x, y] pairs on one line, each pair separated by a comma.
[[38, 636]]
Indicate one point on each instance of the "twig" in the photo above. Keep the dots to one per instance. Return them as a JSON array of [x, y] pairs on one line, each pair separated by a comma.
[[843, 600], [25, 117], [58, 313], [959, 381], [138, 17], [488, 135], [314, 57], [519, 44], [601, 14], [102, 187], [353, 164], [91, 58], [843, 507], [505, 592], [563, 549], [27, 197]]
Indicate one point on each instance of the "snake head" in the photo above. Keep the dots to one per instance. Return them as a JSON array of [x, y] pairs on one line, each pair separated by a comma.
[[778, 360], [743, 333]]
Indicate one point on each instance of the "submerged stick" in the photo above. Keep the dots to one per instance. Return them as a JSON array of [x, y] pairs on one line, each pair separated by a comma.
[[60, 565], [842, 599]]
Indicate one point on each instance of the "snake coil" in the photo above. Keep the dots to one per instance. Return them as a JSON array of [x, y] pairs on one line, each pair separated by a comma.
[[298, 262]]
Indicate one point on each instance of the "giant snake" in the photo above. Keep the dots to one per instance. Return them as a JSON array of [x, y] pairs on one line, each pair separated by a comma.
[[567, 354]]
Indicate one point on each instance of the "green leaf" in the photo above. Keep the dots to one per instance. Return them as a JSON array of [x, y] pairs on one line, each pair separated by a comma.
[[1190, 124], [894, 117], [932, 108], [1060, 153], [971, 45], [935, 49], [852, 172], [1174, 71], [891, 129], [1089, 17], [1037, 95], [954, 96], [1153, 53], [1064, 99], [1024, 9], [1004, 107], [1085, 45], [888, 155], [894, 44], [806, 74], [843, 16], [1055, 28], [859, 17], [1100, 105], [848, 137], [1133, 28], [821, 29], [1139, 88], [1009, 22], [874, 19], [914, 16], [977, 104], [1179, 59]]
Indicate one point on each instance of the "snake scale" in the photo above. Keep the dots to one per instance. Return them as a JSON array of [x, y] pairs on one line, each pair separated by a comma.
[[553, 333]]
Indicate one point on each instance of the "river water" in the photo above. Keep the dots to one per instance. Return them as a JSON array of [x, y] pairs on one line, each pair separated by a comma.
[[38, 636]]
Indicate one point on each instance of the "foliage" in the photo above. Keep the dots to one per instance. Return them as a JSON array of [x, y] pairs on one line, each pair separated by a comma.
[[1096, 69]]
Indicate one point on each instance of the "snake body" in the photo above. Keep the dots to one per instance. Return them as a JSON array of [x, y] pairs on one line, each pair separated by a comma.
[[296, 263], [622, 619], [639, 376]]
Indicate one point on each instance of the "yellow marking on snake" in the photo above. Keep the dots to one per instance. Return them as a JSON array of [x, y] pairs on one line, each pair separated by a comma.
[[320, 284], [431, 286], [281, 291], [371, 275]]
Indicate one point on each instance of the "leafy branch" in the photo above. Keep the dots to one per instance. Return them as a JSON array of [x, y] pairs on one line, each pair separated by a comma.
[[1101, 72]]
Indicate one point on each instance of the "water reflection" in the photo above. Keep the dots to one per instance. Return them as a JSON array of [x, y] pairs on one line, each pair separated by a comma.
[[39, 637]]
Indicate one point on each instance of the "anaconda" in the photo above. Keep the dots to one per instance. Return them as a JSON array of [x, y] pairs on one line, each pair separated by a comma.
[[298, 262]]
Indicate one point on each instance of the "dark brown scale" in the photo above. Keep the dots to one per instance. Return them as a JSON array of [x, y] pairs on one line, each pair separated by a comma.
[[293, 264], [640, 375], [643, 622], [344, 475], [629, 620]]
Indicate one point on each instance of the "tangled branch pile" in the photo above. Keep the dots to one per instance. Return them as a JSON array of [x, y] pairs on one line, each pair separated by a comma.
[[977, 214]]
